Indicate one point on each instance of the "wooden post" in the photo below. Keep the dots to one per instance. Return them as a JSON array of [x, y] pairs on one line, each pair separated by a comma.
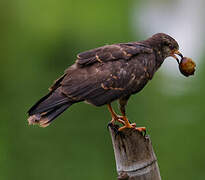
[[134, 155]]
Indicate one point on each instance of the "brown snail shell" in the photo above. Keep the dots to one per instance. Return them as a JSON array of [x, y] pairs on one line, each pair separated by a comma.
[[187, 66]]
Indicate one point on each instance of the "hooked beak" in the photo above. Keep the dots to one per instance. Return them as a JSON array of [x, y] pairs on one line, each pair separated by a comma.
[[174, 55]]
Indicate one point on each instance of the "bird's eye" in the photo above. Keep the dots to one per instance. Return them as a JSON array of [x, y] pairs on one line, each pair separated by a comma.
[[170, 46], [166, 43]]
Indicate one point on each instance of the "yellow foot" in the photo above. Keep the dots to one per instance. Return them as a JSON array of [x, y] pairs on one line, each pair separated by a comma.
[[141, 129], [118, 119], [128, 126]]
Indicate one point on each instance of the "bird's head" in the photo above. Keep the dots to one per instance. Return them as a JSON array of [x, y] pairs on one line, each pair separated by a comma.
[[165, 46]]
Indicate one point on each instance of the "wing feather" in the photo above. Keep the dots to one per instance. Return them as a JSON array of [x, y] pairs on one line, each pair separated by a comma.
[[112, 52], [102, 83]]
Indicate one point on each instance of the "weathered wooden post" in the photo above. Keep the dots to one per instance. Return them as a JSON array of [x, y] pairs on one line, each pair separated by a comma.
[[134, 155]]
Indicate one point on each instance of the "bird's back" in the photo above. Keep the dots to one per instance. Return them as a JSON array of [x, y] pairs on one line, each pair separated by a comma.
[[102, 83]]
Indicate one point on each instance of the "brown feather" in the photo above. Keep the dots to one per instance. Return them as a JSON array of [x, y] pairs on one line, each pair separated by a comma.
[[112, 52], [103, 75]]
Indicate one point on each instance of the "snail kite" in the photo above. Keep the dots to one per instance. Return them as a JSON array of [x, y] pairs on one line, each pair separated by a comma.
[[102, 75]]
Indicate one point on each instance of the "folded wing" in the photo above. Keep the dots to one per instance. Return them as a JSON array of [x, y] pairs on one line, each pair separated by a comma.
[[112, 52]]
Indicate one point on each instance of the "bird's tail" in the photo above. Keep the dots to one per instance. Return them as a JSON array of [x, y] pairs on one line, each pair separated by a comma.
[[48, 108]]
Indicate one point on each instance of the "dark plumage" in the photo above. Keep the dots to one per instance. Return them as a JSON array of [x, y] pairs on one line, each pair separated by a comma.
[[105, 74]]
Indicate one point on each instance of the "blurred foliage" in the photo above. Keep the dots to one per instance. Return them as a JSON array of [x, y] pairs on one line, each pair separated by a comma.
[[39, 39]]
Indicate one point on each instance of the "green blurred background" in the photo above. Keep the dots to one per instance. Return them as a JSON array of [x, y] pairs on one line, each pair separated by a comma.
[[39, 39]]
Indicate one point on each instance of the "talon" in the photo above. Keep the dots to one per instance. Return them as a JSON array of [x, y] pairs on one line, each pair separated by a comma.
[[127, 124], [115, 117], [113, 121], [130, 126], [142, 130], [120, 120]]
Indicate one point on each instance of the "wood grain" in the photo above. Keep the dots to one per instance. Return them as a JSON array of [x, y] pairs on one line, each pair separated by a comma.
[[134, 155]]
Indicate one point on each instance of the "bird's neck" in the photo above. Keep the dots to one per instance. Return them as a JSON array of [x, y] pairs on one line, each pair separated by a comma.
[[157, 50], [159, 57]]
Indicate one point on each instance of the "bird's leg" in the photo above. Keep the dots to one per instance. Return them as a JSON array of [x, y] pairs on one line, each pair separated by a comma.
[[115, 117], [123, 103]]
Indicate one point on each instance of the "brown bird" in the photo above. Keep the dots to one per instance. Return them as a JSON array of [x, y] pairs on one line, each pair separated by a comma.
[[102, 75]]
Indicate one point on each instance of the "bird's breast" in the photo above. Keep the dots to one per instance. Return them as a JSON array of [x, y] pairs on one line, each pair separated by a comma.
[[143, 70]]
